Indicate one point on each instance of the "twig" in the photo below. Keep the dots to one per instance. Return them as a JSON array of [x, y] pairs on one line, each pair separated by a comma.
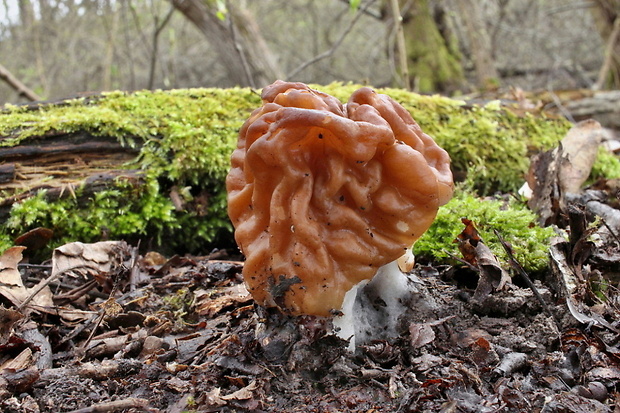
[[45, 283], [335, 46], [19, 87], [372, 13], [129, 403], [155, 46], [515, 264], [462, 261], [239, 49], [400, 43], [611, 231], [609, 55], [560, 106]]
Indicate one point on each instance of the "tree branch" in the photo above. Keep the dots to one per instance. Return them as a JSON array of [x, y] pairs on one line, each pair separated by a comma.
[[18, 86], [400, 44], [361, 11]]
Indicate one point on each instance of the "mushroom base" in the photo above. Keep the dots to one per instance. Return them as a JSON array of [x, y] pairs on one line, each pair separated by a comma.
[[382, 308]]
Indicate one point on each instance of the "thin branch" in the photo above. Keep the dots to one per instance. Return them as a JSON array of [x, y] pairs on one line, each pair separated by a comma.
[[19, 87], [525, 277], [372, 13], [609, 55], [239, 49], [335, 46], [400, 43], [155, 47]]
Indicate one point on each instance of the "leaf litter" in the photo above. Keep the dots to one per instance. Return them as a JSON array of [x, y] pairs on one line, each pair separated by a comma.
[[105, 327]]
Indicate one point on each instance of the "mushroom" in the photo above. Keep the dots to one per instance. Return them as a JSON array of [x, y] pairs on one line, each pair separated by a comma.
[[323, 195]]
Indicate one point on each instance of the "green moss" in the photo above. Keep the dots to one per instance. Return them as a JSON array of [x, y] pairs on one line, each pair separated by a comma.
[[106, 214], [514, 222], [607, 166]]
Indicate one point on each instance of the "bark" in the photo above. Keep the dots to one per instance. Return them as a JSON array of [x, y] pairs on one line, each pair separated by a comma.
[[479, 44], [66, 161], [401, 45], [238, 42], [26, 13]]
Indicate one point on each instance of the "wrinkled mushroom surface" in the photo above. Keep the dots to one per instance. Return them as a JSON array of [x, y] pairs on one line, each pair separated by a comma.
[[322, 195]]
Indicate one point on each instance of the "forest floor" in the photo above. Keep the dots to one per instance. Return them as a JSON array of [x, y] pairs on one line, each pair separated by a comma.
[[113, 330]]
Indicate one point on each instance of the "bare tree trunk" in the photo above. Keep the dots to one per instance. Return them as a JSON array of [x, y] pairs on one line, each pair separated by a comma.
[[401, 45], [433, 59], [605, 13], [237, 40], [479, 43], [26, 13]]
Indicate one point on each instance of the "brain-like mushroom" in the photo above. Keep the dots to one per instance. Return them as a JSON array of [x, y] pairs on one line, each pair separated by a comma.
[[322, 195]]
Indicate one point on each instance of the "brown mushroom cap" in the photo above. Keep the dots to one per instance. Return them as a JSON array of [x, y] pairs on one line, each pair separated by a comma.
[[322, 196]]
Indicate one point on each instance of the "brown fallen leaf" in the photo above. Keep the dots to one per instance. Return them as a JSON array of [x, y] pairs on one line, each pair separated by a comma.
[[8, 318], [563, 170], [421, 334], [577, 153], [478, 255], [35, 238], [77, 258], [244, 393], [11, 285]]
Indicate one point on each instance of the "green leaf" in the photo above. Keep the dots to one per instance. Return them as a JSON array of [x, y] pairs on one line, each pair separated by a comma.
[[221, 10], [354, 4]]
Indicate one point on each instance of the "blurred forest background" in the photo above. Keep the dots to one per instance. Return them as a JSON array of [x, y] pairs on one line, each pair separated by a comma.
[[50, 49]]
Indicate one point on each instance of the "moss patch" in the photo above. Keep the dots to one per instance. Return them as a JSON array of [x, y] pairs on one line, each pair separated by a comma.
[[512, 219]]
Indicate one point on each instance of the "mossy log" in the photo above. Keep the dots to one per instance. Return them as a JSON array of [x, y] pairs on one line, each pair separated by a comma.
[[151, 165]]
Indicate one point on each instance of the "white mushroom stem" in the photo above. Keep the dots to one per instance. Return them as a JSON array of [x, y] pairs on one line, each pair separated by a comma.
[[373, 310]]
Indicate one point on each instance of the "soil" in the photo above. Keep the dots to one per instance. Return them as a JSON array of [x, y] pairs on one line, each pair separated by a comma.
[[182, 334]]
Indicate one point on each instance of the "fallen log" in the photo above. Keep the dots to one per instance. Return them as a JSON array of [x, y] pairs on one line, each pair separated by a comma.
[[151, 165]]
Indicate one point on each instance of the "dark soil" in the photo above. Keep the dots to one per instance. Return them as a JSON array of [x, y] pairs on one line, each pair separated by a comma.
[[184, 335]]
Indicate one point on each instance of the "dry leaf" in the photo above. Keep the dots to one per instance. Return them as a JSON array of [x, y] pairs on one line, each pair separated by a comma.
[[208, 303], [88, 259], [244, 393], [478, 255], [578, 151], [8, 317], [421, 334], [11, 285], [561, 171]]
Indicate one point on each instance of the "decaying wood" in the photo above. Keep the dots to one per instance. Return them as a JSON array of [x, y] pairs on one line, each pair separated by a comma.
[[64, 163]]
